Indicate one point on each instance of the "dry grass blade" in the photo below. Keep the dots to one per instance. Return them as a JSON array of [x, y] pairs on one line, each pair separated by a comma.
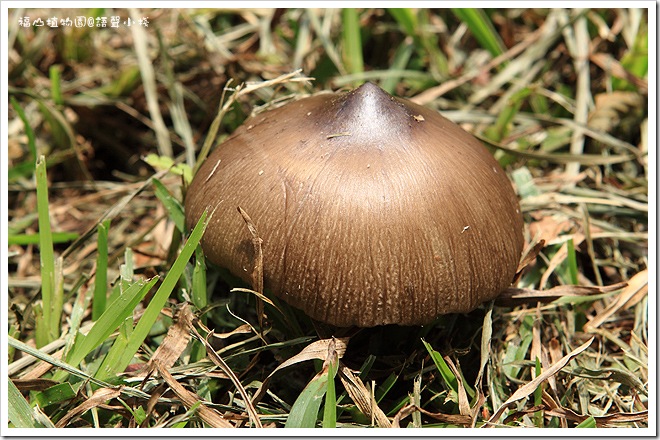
[[175, 341], [515, 295], [607, 421], [33, 384], [611, 65], [215, 357], [529, 256], [99, 397], [258, 270], [563, 158], [453, 419], [558, 258], [359, 393], [209, 415], [463, 403], [150, 88], [637, 288], [532, 385], [315, 350]]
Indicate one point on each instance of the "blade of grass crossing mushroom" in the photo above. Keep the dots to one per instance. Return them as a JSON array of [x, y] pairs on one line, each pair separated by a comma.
[[224, 106], [258, 269], [532, 385]]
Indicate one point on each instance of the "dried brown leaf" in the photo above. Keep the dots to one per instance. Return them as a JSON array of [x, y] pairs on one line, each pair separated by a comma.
[[241, 329]]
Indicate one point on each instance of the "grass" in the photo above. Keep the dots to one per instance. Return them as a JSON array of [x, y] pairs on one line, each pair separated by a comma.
[[116, 320]]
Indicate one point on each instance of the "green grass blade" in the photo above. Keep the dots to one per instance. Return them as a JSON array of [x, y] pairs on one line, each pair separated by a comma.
[[117, 312], [386, 386], [152, 311], [572, 262], [48, 322], [58, 363], [27, 239], [101, 279], [18, 409], [32, 144], [587, 423], [538, 395], [406, 19], [504, 121], [352, 41], [112, 360], [199, 294], [330, 409], [55, 394], [446, 373], [172, 205], [305, 409], [55, 84], [482, 29], [400, 61]]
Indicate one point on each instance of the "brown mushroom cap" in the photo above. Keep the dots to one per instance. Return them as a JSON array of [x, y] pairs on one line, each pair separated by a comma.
[[372, 209]]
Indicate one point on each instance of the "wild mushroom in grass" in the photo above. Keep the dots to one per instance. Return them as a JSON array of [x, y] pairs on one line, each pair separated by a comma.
[[372, 209]]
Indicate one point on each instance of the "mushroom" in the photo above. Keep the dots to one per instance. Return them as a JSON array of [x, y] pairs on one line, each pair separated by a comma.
[[372, 210]]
